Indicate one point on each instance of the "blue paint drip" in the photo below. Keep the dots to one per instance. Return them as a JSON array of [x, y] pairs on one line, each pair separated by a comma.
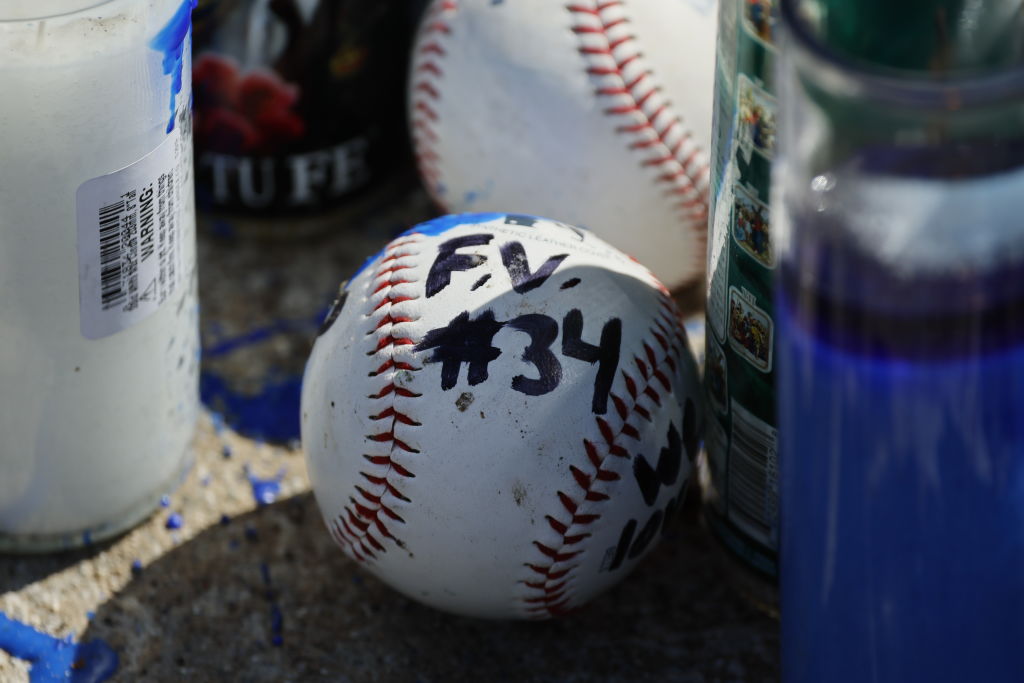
[[174, 521], [439, 226], [276, 617], [171, 42], [136, 567], [165, 501], [265, 491], [56, 660]]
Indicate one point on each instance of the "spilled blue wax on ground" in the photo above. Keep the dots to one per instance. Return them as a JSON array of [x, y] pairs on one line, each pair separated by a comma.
[[57, 659], [265, 491], [276, 617], [273, 413], [439, 226], [171, 42], [174, 521]]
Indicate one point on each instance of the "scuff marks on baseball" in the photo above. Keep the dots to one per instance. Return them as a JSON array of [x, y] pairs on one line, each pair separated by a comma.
[[335, 310], [471, 341], [464, 401]]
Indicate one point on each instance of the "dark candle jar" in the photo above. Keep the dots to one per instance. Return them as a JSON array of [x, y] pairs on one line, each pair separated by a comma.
[[299, 113], [900, 306]]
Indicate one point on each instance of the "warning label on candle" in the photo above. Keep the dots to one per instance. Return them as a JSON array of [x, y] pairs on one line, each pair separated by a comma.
[[130, 227]]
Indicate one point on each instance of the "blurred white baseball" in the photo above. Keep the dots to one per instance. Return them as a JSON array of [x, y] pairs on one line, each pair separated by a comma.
[[596, 112], [500, 415]]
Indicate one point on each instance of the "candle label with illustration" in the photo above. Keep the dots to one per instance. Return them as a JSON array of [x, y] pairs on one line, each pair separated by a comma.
[[130, 226], [742, 439], [298, 103]]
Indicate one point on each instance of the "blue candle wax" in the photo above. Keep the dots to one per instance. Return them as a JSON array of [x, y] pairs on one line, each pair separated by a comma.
[[901, 361]]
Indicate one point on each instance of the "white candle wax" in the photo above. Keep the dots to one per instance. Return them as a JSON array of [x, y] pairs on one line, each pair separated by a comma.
[[97, 406]]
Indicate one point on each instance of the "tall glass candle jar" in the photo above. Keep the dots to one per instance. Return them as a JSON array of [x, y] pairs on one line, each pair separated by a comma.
[[98, 315], [900, 301]]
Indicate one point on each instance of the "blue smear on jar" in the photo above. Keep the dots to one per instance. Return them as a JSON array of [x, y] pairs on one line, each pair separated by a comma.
[[171, 42]]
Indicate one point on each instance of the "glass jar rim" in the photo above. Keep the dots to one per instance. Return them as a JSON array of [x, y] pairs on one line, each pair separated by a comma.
[[50, 9], [896, 86]]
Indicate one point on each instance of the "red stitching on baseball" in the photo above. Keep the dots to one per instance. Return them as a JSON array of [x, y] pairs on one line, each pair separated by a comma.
[[371, 512], [631, 431], [685, 170], [394, 254], [399, 417], [630, 385], [390, 319], [620, 406], [642, 367], [426, 90], [390, 283], [391, 363], [391, 300], [554, 599]]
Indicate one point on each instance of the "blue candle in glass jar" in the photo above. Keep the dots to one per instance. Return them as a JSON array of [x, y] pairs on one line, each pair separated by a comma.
[[900, 234]]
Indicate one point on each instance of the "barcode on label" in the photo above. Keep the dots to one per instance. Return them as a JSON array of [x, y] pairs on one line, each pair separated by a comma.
[[111, 290], [130, 225], [753, 475]]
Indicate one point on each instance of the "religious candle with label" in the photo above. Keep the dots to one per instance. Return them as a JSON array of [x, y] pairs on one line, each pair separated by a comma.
[[98, 313], [300, 114], [899, 304]]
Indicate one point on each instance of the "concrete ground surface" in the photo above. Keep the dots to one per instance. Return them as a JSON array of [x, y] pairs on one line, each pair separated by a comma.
[[252, 588]]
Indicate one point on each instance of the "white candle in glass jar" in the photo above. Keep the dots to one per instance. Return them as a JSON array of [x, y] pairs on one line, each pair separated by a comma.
[[98, 311]]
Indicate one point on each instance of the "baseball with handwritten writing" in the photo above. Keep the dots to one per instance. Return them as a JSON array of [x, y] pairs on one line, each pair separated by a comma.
[[595, 111], [500, 415]]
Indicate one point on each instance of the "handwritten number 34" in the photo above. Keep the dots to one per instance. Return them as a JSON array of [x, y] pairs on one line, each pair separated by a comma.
[[470, 342]]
